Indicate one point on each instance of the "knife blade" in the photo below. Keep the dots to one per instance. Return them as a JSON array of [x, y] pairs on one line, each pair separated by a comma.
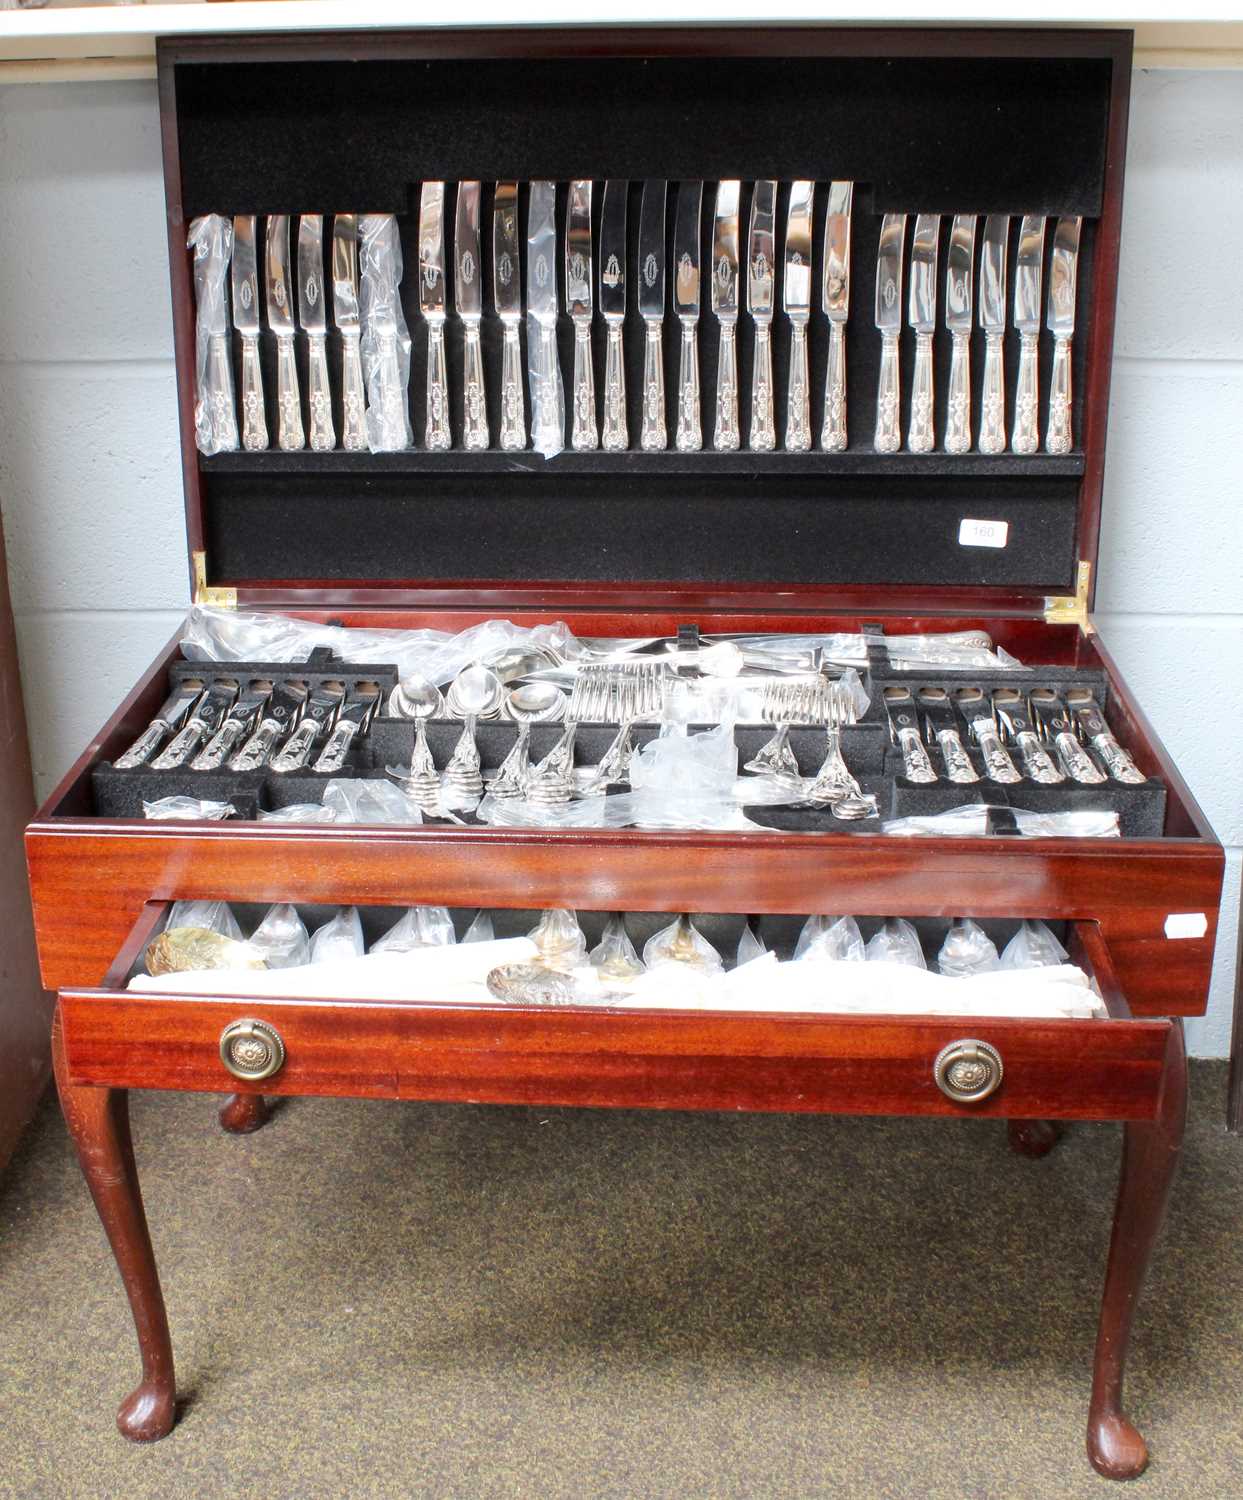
[[1028, 270], [507, 299], [468, 298], [215, 421], [313, 316], [176, 710], [584, 434], [345, 315], [796, 299], [889, 324], [993, 322], [761, 281], [432, 307], [547, 432], [835, 299], [244, 271], [653, 436], [289, 433], [725, 309], [613, 307], [687, 296], [922, 316], [1063, 278], [959, 311]]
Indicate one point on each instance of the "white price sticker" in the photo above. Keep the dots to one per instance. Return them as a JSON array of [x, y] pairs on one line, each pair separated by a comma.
[[983, 533], [1186, 924]]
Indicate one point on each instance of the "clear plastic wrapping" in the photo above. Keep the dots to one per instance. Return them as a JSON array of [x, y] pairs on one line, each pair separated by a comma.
[[1033, 946], [215, 916], [967, 949], [353, 801], [299, 812], [615, 957], [340, 937], [750, 946], [282, 938], [215, 415], [480, 929], [543, 362], [968, 650], [559, 940], [682, 943], [830, 940], [385, 342], [972, 821], [188, 810], [418, 927], [896, 942]]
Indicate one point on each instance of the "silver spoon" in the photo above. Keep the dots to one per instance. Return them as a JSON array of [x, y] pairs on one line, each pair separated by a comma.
[[476, 693], [415, 697], [536, 703]]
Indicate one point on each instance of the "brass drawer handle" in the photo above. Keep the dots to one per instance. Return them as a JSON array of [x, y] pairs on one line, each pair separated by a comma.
[[968, 1071], [251, 1049]]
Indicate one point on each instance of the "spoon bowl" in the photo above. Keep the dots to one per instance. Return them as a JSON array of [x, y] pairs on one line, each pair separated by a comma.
[[415, 697]]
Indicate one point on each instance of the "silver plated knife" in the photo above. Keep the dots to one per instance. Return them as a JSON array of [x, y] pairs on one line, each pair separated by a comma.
[[1063, 278], [796, 299], [653, 435], [889, 324], [542, 306], [686, 301], [468, 297], [725, 307], [922, 315], [314, 319], [835, 299], [289, 433], [432, 306], [993, 322], [615, 438], [345, 315], [761, 285], [959, 313], [584, 434], [245, 273], [1028, 271], [507, 297]]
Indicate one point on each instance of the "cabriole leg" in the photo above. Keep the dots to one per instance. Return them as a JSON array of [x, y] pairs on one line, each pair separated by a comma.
[[243, 1113], [1033, 1137], [98, 1120], [1150, 1152]]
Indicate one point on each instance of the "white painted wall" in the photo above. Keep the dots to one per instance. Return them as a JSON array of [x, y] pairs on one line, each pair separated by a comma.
[[91, 491]]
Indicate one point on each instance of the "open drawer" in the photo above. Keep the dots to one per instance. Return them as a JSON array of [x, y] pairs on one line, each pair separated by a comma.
[[499, 1053]]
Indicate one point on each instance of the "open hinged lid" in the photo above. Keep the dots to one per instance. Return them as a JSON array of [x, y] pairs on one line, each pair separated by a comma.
[[951, 121]]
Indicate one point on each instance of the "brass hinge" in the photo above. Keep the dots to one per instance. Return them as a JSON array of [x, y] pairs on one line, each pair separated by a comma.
[[219, 598], [1072, 609]]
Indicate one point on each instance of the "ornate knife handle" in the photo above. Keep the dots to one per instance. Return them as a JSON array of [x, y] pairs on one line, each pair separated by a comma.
[[997, 762], [217, 750], [513, 415], [181, 746], [616, 437], [726, 437], [143, 747], [993, 400], [353, 396], [833, 436], [289, 433], [1038, 764], [220, 383], [763, 437], [254, 419], [919, 437], [958, 767], [438, 437], [1076, 761], [297, 747], [475, 434], [332, 756], [1117, 760], [390, 395], [1025, 437], [958, 411], [1057, 437], [254, 753], [916, 762], [319, 394], [888, 395], [584, 435], [653, 437], [545, 388], [798, 399], [690, 422]]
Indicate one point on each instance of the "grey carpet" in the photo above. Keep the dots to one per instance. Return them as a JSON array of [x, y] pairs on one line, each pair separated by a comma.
[[401, 1300]]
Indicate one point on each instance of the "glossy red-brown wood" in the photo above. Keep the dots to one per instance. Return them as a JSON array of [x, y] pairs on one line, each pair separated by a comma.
[[243, 1114]]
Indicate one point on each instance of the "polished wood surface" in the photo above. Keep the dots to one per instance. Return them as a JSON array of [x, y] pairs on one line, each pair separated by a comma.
[[243, 1114], [1034, 1138]]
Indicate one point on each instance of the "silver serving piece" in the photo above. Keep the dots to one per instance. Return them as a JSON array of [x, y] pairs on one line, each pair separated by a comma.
[[280, 715], [432, 307], [1063, 280], [463, 776], [352, 720], [345, 315], [542, 306], [959, 311], [686, 303], [614, 766], [653, 435], [615, 438], [835, 786], [289, 433], [207, 717], [904, 732], [314, 725], [510, 778], [835, 299], [775, 757], [922, 315], [314, 318], [889, 324], [239, 722], [1028, 271], [993, 322], [725, 307], [475, 692], [244, 271], [176, 710], [416, 698], [551, 782], [468, 297], [1012, 714], [796, 300], [976, 710], [761, 284], [507, 297], [584, 435], [535, 703], [1090, 722], [1056, 727], [938, 716]]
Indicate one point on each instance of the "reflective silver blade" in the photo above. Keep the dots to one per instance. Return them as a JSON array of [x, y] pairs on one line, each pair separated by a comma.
[[922, 308], [280, 306], [432, 250], [1028, 271], [506, 286], [796, 287], [836, 289], [959, 274], [467, 280], [311, 309], [345, 271], [993, 273], [541, 251], [245, 273], [686, 228], [1063, 273], [578, 301], [652, 248], [613, 248], [889, 272], [725, 250], [762, 249]]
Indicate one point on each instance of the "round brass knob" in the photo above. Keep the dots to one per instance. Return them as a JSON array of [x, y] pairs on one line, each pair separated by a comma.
[[251, 1049], [968, 1071]]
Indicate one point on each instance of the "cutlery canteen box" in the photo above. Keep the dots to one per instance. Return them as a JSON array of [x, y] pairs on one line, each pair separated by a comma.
[[645, 543]]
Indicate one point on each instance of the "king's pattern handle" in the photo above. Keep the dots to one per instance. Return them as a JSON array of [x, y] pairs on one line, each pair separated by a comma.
[[544, 390], [726, 436], [888, 393], [833, 434], [258, 747], [1025, 437], [798, 397], [916, 763], [763, 438], [474, 406], [438, 436], [997, 762], [584, 435], [958, 397], [690, 420], [1038, 764], [143, 747], [919, 436], [1117, 760], [319, 394], [220, 401], [958, 767], [254, 419], [1076, 761], [1058, 436], [289, 433], [332, 756], [513, 414], [653, 436], [993, 399], [616, 437], [353, 396]]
